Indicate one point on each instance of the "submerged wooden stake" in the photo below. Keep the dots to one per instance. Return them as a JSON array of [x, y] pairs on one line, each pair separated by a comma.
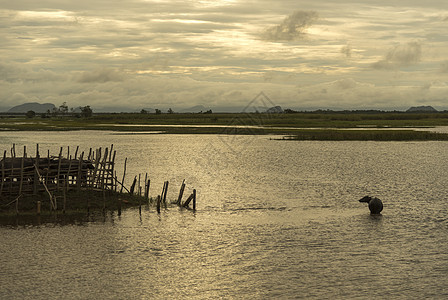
[[158, 204], [181, 193], [194, 199]]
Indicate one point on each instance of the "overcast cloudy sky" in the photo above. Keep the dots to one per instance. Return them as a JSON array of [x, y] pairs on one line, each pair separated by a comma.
[[158, 54]]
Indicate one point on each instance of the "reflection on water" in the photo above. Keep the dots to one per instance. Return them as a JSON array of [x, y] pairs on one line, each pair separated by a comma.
[[275, 220]]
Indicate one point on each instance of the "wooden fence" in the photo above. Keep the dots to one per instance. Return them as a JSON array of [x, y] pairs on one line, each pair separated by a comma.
[[27, 175]]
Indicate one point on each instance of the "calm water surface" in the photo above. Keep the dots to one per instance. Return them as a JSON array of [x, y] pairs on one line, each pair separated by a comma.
[[275, 219]]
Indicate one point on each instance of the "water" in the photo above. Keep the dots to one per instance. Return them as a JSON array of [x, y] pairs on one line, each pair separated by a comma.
[[275, 219]]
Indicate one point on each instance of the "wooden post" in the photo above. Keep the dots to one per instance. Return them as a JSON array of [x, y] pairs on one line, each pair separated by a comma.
[[194, 199], [188, 201], [139, 186], [3, 173], [147, 189], [140, 201], [181, 193], [17, 203], [145, 195], [59, 169], [36, 177], [38, 207], [79, 177], [12, 173], [112, 170], [97, 165], [22, 165], [158, 204], [166, 191], [64, 192], [76, 152], [131, 191], [124, 174]]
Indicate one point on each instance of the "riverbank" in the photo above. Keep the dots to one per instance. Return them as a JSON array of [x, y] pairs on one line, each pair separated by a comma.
[[300, 125], [366, 135]]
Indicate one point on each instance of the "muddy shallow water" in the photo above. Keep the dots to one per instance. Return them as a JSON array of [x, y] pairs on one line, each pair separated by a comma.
[[275, 219]]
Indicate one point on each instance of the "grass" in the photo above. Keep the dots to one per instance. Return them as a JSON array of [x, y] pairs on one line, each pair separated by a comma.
[[367, 135], [278, 124]]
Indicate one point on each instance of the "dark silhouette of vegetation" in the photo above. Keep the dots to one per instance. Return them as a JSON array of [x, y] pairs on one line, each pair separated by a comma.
[[158, 111], [63, 108], [170, 111], [86, 111], [143, 111], [30, 114]]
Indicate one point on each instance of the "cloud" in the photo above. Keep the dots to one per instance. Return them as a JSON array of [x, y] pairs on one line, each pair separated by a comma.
[[293, 27], [400, 56], [347, 51], [444, 67], [99, 75]]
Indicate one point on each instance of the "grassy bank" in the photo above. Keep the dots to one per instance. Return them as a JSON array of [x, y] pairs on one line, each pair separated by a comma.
[[367, 135], [245, 123]]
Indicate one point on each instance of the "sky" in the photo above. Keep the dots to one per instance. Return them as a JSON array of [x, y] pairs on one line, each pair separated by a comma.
[[134, 54]]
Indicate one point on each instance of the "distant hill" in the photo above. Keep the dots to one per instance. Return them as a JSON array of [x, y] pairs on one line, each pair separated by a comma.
[[275, 110], [148, 110], [422, 109], [195, 109], [34, 106]]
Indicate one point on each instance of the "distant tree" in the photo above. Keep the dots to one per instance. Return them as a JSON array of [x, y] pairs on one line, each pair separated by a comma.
[[86, 111], [158, 111], [63, 108], [170, 111], [208, 112], [143, 111], [30, 114], [289, 111]]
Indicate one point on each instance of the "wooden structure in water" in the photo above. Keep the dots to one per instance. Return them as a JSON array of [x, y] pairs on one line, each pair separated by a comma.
[[27, 175], [55, 175]]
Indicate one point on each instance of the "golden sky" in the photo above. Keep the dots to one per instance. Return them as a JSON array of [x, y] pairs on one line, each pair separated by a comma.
[[135, 54]]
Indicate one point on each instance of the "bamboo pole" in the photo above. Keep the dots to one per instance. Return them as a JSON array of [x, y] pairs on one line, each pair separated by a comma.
[[146, 181], [181, 193], [139, 185], [59, 169], [76, 152], [53, 205], [3, 173], [188, 200], [67, 176], [12, 173], [166, 191], [64, 192], [79, 171], [36, 178], [131, 191], [158, 204], [22, 164], [194, 199], [147, 189], [140, 201], [124, 174]]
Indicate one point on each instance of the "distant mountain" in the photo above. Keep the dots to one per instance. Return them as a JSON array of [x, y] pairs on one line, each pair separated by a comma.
[[275, 110], [194, 109], [422, 109], [148, 110], [34, 106]]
